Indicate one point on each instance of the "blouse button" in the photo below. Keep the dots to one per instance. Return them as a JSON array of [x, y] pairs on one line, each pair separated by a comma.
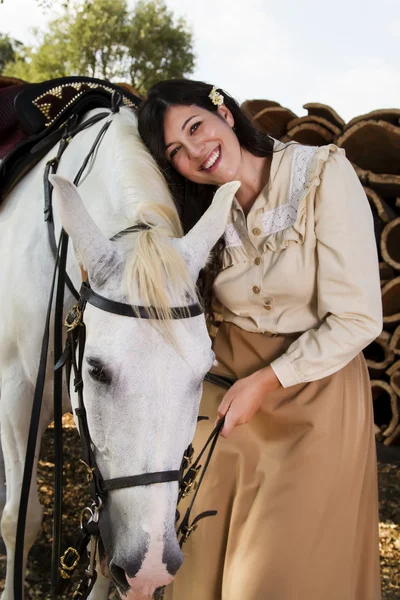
[[256, 289], [268, 307], [257, 261], [256, 231]]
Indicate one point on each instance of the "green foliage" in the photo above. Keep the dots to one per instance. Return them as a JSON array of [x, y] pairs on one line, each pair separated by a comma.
[[102, 38], [157, 48], [8, 49]]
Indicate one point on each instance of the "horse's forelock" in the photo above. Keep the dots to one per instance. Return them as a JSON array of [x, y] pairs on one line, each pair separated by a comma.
[[152, 263]]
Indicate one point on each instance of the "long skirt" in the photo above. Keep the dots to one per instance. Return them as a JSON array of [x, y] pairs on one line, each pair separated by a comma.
[[295, 489]]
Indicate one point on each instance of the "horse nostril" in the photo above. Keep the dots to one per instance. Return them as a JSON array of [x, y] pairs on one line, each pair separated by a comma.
[[118, 575], [172, 558]]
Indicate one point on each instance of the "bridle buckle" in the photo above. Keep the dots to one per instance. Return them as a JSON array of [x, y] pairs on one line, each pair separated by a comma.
[[74, 318], [89, 471], [187, 531], [191, 483], [71, 554]]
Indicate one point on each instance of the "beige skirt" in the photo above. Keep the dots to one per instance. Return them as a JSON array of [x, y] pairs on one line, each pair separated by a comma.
[[295, 489]]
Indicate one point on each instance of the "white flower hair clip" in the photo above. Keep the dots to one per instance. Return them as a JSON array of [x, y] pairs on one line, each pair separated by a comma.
[[215, 97]]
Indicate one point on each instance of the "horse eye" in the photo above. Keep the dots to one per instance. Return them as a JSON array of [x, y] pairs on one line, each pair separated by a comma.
[[97, 371]]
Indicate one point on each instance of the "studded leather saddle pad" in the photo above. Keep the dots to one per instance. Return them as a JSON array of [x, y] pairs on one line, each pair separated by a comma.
[[37, 113]]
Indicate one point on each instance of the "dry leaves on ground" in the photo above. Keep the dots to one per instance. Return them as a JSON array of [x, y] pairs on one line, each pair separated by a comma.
[[76, 497]]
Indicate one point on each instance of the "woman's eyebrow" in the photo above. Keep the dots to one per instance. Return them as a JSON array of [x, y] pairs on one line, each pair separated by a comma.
[[183, 127]]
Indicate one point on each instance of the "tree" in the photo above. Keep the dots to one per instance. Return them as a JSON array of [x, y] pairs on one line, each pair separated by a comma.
[[47, 61], [102, 38], [8, 49], [157, 48], [97, 36]]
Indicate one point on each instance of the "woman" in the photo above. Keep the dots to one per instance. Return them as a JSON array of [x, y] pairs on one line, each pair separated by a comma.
[[296, 275]]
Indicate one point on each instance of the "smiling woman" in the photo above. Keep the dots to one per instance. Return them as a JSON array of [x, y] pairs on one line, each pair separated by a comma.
[[297, 279], [199, 145]]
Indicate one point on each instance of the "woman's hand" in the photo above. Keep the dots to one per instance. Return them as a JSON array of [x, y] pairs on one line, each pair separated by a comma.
[[244, 398]]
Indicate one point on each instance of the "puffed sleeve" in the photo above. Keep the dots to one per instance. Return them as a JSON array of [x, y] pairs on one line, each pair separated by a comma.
[[349, 295]]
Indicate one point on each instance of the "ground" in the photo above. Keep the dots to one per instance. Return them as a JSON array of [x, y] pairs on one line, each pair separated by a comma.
[[76, 497]]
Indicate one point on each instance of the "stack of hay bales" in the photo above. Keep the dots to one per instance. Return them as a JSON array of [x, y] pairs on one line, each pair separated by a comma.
[[372, 144]]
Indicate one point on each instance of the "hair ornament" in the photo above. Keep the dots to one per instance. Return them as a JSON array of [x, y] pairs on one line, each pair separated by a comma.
[[215, 97]]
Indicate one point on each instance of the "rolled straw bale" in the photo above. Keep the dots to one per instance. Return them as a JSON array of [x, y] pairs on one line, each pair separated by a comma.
[[391, 302], [252, 107], [393, 437], [390, 243], [391, 115], [385, 212], [373, 145], [378, 354], [326, 112], [387, 185], [395, 382], [129, 88], [318, 121], [385, 405], [386, 272], [394, 343], [311, 134], [393, 368], [274, 120]]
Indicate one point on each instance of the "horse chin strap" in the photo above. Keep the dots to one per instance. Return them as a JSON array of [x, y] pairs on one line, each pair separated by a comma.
[[93, 525]]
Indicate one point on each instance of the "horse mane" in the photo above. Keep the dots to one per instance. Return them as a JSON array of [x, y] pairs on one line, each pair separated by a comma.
[[153, 267]]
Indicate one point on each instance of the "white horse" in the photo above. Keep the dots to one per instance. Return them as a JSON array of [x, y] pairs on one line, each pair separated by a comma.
[[142, 378]]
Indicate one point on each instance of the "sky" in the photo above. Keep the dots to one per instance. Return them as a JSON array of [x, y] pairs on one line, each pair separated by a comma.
[[344, 53]]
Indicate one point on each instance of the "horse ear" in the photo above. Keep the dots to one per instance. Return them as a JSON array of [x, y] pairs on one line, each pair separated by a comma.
[[99, 255], [197, 244]]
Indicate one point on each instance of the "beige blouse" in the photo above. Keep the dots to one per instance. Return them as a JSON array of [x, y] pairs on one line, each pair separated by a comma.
[[305, 260]]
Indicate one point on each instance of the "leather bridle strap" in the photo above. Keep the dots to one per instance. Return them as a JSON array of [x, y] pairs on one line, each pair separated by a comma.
[[127, 310], [70, 130], [135, 480], [58, 329], [39, 388]]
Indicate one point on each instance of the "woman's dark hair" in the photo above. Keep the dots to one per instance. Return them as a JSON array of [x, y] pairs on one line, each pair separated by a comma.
[[193, 199]]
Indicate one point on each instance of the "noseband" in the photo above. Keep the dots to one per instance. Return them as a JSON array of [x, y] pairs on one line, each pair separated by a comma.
[[72, 358]]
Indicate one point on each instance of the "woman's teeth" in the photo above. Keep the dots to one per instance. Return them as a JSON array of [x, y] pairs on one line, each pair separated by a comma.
[[213, 158]]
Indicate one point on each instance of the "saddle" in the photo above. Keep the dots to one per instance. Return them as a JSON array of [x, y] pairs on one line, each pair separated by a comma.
[[32, 117]]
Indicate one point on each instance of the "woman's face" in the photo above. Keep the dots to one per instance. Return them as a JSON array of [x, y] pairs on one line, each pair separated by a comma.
[[201, 145]]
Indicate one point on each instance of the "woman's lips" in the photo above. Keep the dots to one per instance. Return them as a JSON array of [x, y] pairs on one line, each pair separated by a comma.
[[216, 163]]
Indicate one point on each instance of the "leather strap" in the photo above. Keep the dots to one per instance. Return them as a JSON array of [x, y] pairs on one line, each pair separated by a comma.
[[136, 480], [126, 310], [58, 412], [40, 381], [31, 449]]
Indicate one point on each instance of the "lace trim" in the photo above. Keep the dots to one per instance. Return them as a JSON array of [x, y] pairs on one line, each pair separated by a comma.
[[280, 218], [232, 238], [284, 216]]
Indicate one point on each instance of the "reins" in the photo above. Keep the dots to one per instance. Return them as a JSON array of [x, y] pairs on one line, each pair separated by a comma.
[[94, 528], [70, 130], [72, 358]]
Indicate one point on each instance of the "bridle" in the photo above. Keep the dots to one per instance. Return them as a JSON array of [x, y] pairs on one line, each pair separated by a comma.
[[92, 527], [186, 475]]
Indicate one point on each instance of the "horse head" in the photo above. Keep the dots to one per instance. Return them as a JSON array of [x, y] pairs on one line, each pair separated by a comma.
[[142, 378]]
